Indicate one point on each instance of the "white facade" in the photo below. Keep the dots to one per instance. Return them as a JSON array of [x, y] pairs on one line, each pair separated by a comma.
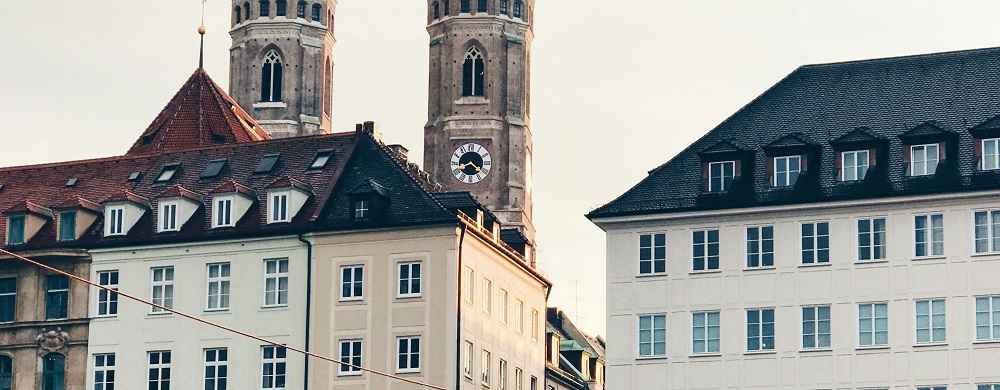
[[845, 284], [136, 329]]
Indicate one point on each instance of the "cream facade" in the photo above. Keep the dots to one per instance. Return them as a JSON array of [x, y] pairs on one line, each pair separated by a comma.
[[932, 314]]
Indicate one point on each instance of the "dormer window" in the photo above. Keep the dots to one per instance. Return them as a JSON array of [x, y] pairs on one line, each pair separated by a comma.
[[116, 220], [223, 212], [15, 230], [924, 159], [168, 216], [322, 157], [213, 169], [266, 163], [786, 170], [855, 165], [279, 207], [991, 154], [67, 226], [361, 209], [721, 175], [167, 173]]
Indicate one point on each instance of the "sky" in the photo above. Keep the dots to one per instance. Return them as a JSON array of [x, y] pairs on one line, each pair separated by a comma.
[[618, 88]]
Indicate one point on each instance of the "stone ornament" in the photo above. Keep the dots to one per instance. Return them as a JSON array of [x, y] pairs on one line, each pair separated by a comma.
[[52, 340]]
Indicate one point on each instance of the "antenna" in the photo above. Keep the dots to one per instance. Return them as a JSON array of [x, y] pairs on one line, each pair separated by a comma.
[[201, 31]]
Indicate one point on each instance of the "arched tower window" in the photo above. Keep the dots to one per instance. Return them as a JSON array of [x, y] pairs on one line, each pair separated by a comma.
[[270, 79], [280, 8], [317, 11], [437, 10], [473, 73], [481, 6], [503, 7], [53, 372], [6, 372], [447, 7], [237, 15], [246, 10], [300, 10], [328, 88], [466, 6], [517, 9], [265, 8]]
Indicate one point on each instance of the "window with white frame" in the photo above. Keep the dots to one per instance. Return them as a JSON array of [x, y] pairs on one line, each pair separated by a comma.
[[503, 306], [409, 279], [218, 286], [350, 353], [721, 175], [873, 324], [815, 242], [705, 332], [352, 278], [159, 370], [760, 330], [534, 324], [163, 288], [116, 220], [279, 207], [855, 165], [223, 212], [275, 282], [932, 387], [988, 386], [991, 154], [930, 321], [518, 378], [652, 253], [871, 239], [923, 159], [815, 327], [361, 209], [503, 374], [470, 285], [104, 372], [274, 362], [487, 359], [107, 301], [216, 368], [928, 235], [168, 216], [487, 296], [705, 250], [467, 361], [652, 335], [519, 316], [408, 354], [760, 246], [988, 318], [987, 230], [786, 170]]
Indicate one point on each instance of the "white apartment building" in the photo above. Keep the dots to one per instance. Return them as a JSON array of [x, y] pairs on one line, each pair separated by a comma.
[[836, 233]]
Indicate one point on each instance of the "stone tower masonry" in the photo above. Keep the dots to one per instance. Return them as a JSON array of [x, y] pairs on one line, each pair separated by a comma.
[[280, 64], [479, 95]]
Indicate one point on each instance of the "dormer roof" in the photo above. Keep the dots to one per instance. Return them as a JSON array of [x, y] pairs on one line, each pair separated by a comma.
[[126, 196], [232, 186], [926, 132], [78, 202], [27, 206], [178, 191], [724, 148], [289, 182]]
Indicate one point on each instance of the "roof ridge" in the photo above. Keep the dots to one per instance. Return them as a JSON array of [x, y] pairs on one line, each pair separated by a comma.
[[902, 57]]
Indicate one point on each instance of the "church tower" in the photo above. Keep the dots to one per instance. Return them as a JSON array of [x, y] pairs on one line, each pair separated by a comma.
[[478, 136], [280, 64]]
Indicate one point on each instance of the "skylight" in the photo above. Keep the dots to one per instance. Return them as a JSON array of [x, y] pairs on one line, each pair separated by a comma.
[[267, 163], [167, 173], [213, 169], [134, 176], [322, 157], [71, 182]]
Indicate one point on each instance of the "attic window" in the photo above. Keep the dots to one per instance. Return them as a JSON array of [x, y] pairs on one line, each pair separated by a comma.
[[167, 173], [134, 176], [213, 169], [267, 163], [322, 157], [71, 182], [361, 209]]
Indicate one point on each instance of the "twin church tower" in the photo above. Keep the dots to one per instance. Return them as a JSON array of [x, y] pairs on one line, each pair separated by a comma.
[[477, 137]]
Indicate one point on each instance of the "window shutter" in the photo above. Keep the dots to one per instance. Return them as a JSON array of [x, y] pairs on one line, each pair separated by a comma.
[[804, 163], [941, 151], [704, 176], [265, 82], [277, 82], [977, 148], [872, 160], [907, 154], [737, 169]]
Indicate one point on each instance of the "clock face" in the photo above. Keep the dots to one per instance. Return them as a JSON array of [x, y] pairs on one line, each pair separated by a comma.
[[471, 163]]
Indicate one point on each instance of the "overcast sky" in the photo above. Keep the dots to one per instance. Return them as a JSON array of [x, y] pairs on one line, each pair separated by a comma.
[[618, 87]]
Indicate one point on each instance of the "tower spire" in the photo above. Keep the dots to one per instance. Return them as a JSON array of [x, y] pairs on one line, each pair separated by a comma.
[[201, 31]]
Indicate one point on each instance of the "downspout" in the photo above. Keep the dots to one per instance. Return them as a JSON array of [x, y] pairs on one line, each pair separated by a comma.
[[309, 279], [458, 330]]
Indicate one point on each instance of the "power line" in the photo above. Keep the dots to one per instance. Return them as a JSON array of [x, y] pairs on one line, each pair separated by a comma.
[[191, 317]]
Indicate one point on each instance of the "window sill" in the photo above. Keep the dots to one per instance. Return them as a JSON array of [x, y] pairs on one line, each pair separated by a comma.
[[768, 268], [756, 353], [270, 105], [865, 262], [353, 373], [651, 275], [471, 100], [705, 272], [704, 355], [814, 265], [985, 254], [408, 296], [816, 350], [275, 308], [159, 314], [872, 348], [931, 344], [358, 299], [216, 311], [411, 371], [57, 319], [652, 357], [993, 341], [925, 258]]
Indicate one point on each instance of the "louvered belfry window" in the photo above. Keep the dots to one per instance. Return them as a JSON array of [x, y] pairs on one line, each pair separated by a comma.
[[270, 84], [473, 73]]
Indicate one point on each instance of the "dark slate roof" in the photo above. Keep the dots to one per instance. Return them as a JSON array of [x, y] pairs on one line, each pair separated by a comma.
[[465, 202], [873, 101]]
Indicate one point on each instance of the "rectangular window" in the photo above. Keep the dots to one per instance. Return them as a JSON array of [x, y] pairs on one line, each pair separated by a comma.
[[465, 7], [216, 368], [760, 246], [705, 250], [223, 212], [988, 318], [275, 282], [467, 362], [15, 230], [504, 10], [930, 321], [816, 327], [218, 286], [56, 297], [519, 316], [352, 278], [503, 306], [873, 324], [265, 7], [871, 239], [721, 175], [168, 217], [409, 279], [855, 165], [923, 159], [279, 207], [653, 335], [159, 370], [760, 330], [652, 253], [67, 226], [518, 378], [932, 388], [163, 288], [104, 371], [486, 367], [534, 324], [280, 8], [786, 170], [274, 363], [815, 242], [991, 154], [503, 374], [8, 299], [116, 220], [408, 354], [350, 353], [470, 285], [107, 301], [487, 296], [534, 383], [988, 387], [987, 231], [928, 235], [361, 209], [705, 333]]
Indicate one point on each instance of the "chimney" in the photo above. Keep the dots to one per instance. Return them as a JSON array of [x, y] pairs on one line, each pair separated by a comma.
[[370, 127], [400, 151]]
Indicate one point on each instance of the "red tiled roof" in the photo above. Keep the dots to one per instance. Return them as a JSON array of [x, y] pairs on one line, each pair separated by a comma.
[[26, 206], [288, 181], [126, 196], [179, 191], [76, 201], [232, 186], [200, 114]]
